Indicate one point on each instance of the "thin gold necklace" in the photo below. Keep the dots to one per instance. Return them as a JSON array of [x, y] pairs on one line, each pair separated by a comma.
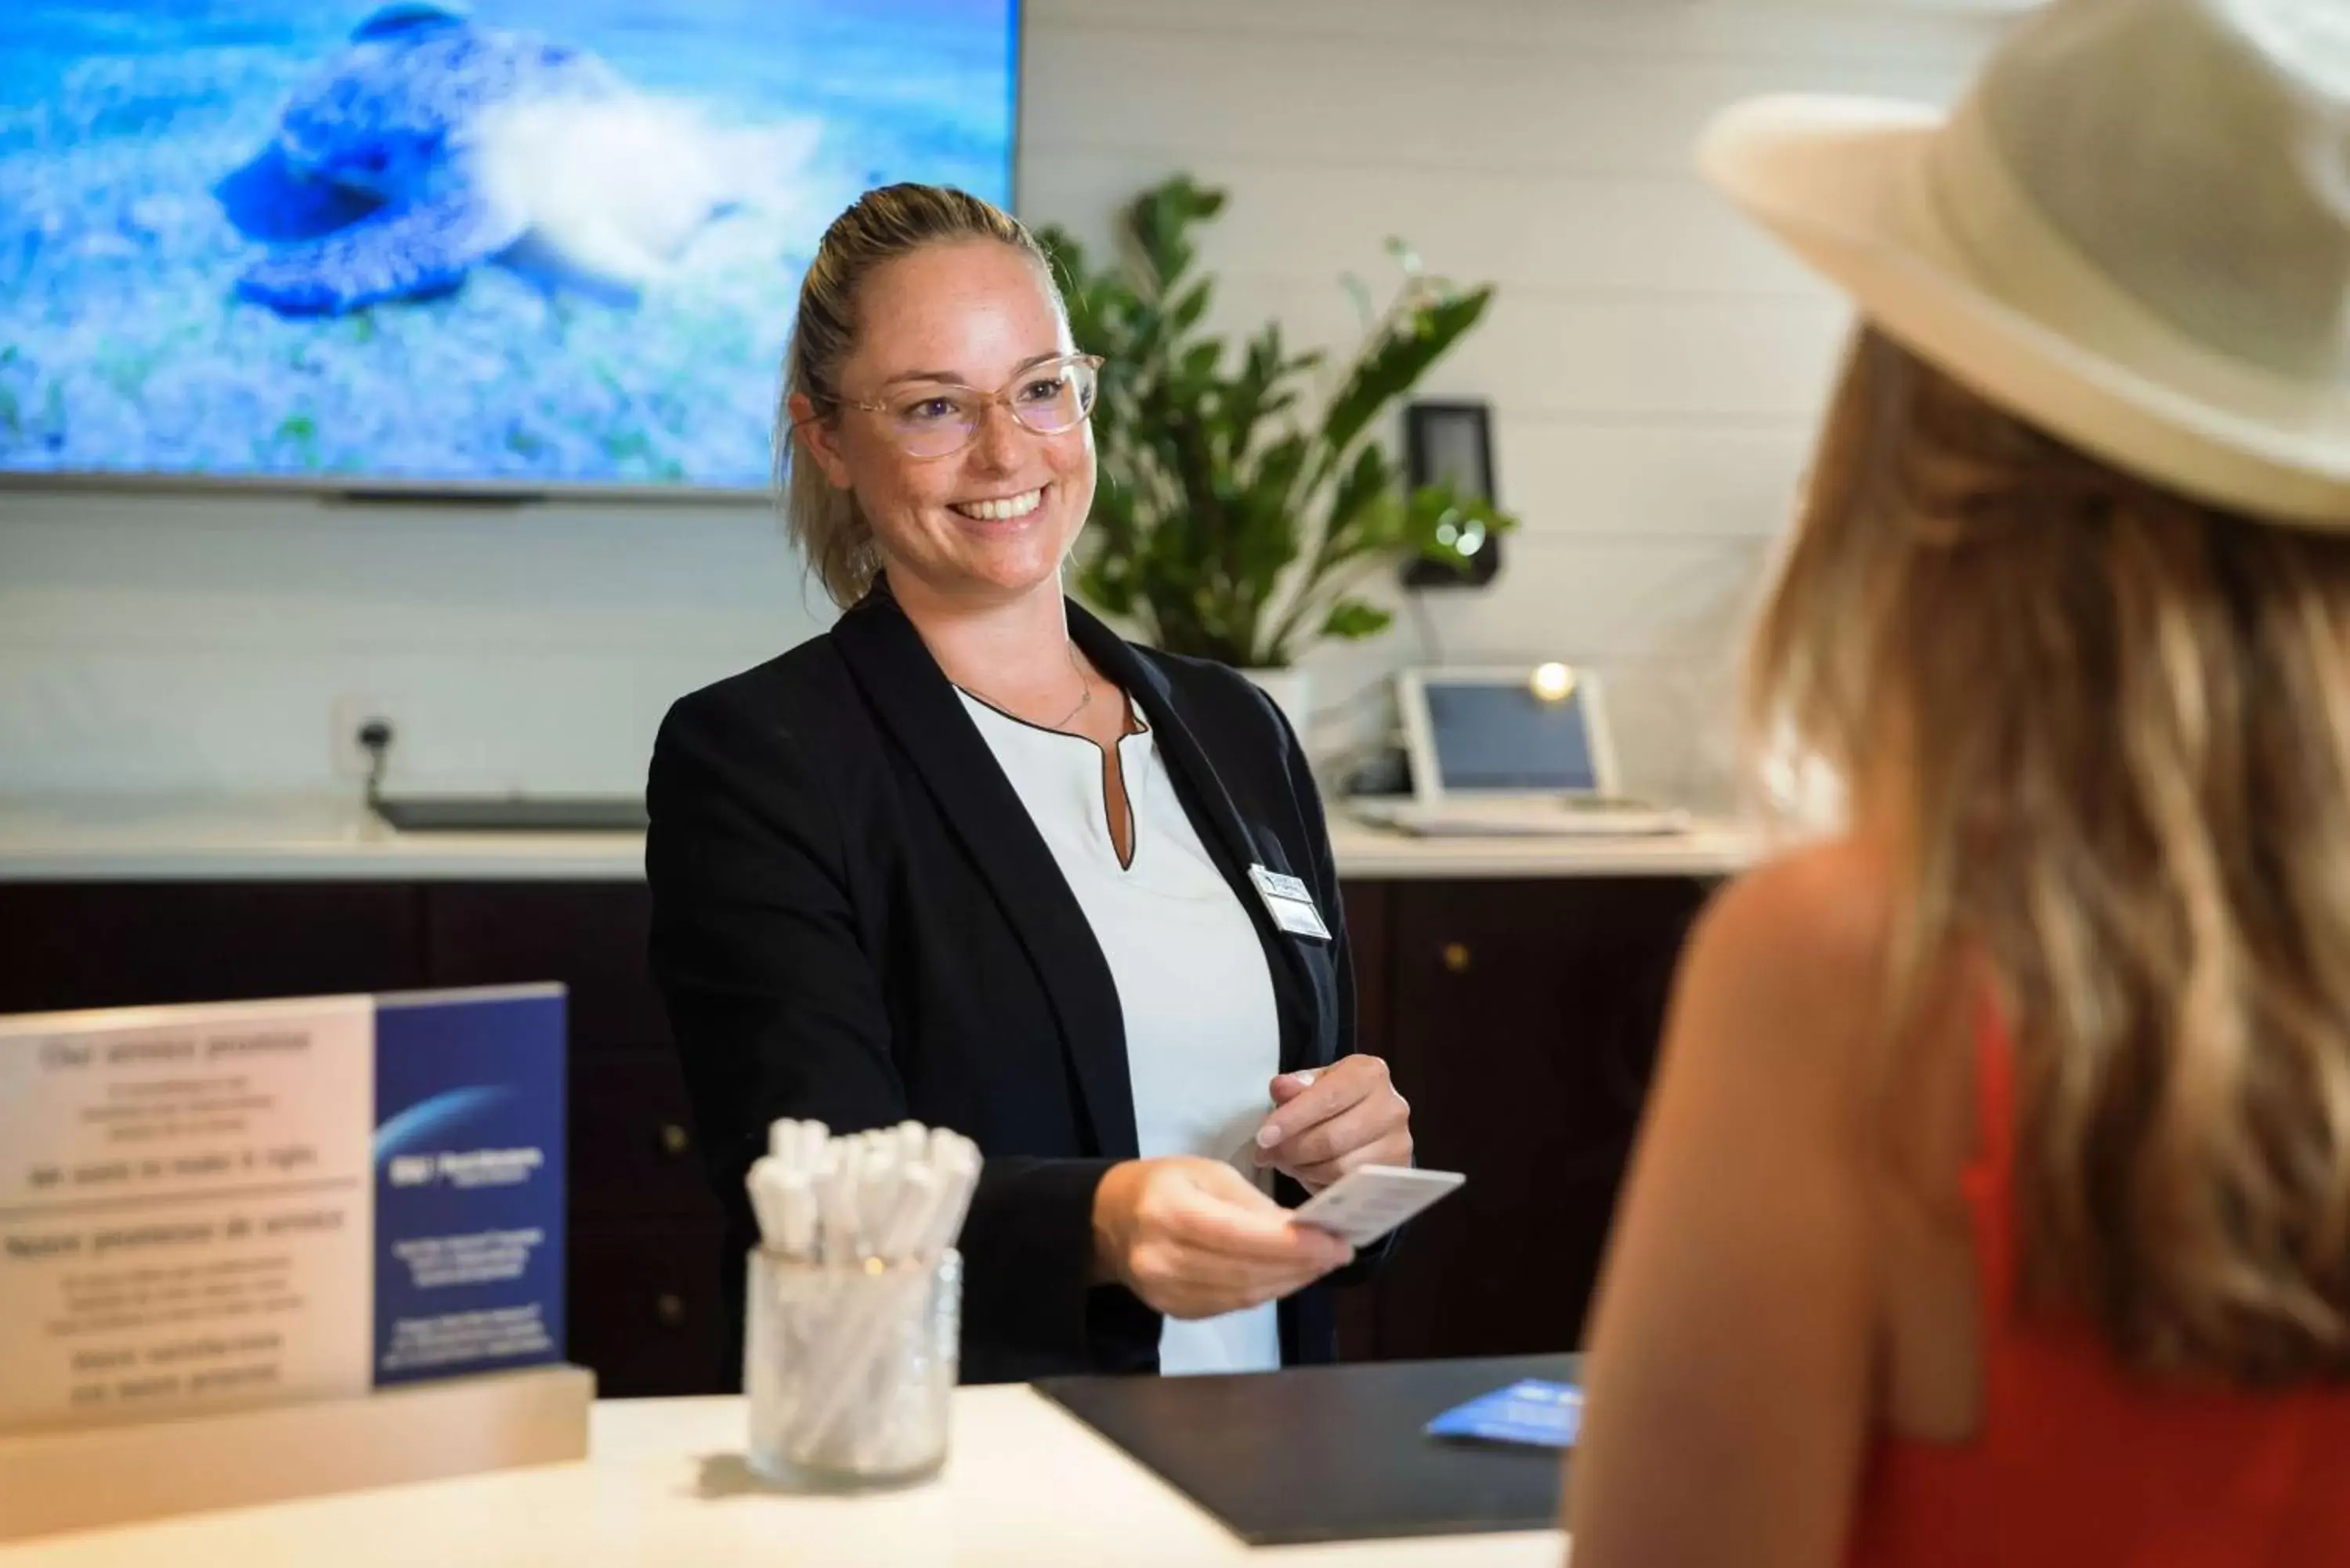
[[1084, 682]]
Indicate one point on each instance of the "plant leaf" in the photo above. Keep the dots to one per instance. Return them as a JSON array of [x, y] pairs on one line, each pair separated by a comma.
[[1351, 620], [1159, 223], [1436, 517], [1369, 478], [1396, 359], [1185, 313]]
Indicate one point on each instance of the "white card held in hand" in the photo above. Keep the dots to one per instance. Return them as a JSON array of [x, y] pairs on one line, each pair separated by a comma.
[[1367, 1203]]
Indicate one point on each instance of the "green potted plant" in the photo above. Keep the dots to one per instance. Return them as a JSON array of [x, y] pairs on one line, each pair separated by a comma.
[[1230, 521]]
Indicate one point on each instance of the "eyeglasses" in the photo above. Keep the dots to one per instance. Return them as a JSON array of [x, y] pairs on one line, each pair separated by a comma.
[[941, 419]]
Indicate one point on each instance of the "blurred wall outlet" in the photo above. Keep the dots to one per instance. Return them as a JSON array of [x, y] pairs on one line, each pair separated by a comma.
[[351, 714]]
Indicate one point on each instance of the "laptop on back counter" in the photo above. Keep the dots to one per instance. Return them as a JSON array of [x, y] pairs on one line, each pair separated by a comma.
[[1513, 750]]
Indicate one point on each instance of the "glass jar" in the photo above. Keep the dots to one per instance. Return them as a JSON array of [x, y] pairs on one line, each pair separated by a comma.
[[850, 1369]]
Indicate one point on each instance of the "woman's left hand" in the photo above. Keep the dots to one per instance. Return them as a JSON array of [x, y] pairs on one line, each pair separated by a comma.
[[1329, 1120]]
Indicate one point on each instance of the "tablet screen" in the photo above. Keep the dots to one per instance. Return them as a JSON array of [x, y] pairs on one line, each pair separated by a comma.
[[1500, 736]]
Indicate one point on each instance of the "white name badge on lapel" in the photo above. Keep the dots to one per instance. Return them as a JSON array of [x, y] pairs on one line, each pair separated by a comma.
[[1290, 904]]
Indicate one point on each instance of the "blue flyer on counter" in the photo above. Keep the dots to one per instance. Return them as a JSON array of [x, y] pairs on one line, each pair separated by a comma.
[[1546, 1414], [469, 1181]]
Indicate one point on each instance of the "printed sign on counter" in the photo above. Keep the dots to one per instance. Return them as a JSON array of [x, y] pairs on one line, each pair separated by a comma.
[[223, 1205], [469, 1182]]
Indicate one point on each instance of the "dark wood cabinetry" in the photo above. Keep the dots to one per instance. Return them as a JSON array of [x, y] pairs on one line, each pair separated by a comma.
[[105, 944], [1521, 1018], [590, 936], [643, 1299]]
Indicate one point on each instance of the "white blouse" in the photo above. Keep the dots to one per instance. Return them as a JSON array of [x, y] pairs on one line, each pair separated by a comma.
[[1202, 1035]]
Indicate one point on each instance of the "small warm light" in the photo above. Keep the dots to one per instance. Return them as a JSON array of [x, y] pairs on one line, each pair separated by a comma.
[[1553, 682]]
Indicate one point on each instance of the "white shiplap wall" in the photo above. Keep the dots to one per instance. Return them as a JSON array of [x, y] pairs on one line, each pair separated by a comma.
[[1653, 366]]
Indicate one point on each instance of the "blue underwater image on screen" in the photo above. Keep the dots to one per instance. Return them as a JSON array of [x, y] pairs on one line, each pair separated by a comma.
[[538, 243]]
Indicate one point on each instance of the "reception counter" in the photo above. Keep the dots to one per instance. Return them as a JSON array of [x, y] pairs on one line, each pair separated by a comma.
[[1514, 986], [1028, 1486]]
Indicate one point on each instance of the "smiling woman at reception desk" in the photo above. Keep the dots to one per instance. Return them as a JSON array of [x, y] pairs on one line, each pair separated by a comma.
[[972, 858]]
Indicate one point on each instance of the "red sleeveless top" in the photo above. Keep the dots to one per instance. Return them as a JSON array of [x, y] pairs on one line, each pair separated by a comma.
[[2077, 1464]]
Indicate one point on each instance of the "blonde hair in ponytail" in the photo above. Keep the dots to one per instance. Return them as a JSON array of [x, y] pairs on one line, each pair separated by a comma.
[[881, 226]]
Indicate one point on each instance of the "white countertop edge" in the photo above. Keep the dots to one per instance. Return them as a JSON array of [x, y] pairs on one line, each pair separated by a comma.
[[1371, 854], [311, 839], [1026, 1485]]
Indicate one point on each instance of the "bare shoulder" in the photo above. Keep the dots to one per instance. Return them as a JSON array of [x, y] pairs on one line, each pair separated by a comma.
[[1790, 958], [1820, 917]]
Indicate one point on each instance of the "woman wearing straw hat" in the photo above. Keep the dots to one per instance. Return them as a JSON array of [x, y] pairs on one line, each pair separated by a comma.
[[1995, 1203]]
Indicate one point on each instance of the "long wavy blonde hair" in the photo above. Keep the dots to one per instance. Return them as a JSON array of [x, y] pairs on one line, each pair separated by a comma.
[[2115, 726]]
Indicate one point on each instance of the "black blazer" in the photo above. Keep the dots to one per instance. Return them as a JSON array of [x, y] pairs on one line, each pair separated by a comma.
[[856, 920]]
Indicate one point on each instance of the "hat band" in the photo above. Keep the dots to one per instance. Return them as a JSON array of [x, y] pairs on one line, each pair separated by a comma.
[[1988, 229]]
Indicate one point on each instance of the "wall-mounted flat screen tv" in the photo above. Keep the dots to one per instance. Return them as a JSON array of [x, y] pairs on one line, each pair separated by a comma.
[[530, 246]]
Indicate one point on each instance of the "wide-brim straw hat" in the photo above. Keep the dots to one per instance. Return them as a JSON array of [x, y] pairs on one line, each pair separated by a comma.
[[2133, 231]]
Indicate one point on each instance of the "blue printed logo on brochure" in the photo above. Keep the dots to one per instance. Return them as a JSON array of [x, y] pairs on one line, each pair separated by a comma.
[[469, 1182]]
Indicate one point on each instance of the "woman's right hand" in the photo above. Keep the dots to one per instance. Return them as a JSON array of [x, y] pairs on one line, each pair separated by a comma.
[[1194, 1238]]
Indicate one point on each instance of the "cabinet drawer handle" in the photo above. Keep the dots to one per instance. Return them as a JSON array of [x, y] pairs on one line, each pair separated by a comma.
[[674, 1139], [669, 1307], [1456, 957]]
